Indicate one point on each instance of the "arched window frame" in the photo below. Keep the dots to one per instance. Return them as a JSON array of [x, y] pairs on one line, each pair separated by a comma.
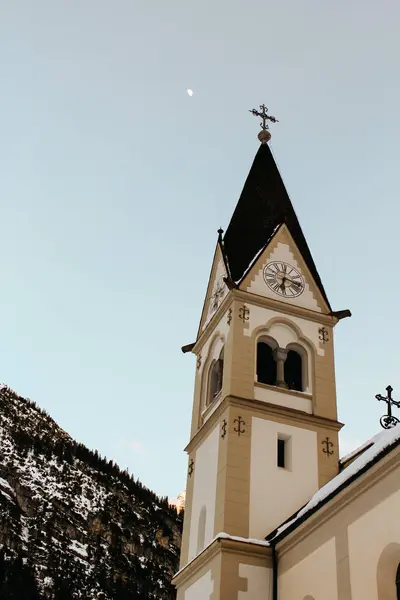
[[305, 364], [216, 369], [267, 339], [303, 346], [263, 339], [387, 570], [214, 352]]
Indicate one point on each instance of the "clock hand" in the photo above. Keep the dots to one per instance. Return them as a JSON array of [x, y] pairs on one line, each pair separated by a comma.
[[297, 283], [293, 282]]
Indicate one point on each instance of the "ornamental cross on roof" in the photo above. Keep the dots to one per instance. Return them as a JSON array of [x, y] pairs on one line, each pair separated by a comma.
[[388, 421], [264, 136]]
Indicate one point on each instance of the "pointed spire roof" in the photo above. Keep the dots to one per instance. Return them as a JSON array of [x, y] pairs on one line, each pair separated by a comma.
[[263, 206]]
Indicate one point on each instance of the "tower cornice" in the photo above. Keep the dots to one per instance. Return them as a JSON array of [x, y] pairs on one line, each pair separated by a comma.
[[227, 545], [257, 407]]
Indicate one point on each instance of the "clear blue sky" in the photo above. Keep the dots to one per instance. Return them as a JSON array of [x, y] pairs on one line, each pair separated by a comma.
[[113, 182]]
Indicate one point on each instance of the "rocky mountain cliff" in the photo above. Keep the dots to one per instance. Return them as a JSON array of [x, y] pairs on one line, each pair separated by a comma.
[[72, 524]]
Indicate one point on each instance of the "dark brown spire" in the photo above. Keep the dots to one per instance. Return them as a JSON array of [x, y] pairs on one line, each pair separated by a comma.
[[263, 206]]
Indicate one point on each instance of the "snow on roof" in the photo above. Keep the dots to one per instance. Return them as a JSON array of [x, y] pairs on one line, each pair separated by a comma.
[[378, 444], [367, 444], [236, 538], [258, 254]]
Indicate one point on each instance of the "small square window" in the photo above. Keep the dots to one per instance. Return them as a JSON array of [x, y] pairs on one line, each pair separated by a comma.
[[281, 453]]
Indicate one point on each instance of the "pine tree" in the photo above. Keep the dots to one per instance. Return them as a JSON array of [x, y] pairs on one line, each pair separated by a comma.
[[63, 589]]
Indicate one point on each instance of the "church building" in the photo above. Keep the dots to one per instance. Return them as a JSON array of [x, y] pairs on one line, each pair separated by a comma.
[[271, 511]]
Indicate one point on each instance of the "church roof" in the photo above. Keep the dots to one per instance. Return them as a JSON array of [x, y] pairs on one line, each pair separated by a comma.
[[376, 448], [263, 206]]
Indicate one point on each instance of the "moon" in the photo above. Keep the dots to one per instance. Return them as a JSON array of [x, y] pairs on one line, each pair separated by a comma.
[[189, 92]]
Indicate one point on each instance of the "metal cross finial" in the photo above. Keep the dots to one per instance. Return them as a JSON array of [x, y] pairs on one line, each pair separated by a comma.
[[388, 421], [264, 136]]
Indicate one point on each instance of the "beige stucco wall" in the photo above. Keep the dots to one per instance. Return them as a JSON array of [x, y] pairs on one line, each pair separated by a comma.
[[275, 493], [315, 575], [201, 589], [368, 537], [202, 581], [259, 582]]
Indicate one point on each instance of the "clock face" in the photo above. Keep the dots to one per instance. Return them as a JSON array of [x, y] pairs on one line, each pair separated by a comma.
[[283, 279], [217, 294]]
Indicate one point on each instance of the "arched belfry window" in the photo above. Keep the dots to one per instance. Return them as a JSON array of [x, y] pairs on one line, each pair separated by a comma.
[[216, 376], [266, 365], [398, 583], [294, 371]]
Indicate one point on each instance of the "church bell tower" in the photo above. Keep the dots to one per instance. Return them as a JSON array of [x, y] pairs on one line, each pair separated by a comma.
[[264, 432]]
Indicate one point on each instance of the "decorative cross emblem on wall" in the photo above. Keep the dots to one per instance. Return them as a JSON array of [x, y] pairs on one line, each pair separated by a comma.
[[244, 313], [323, 335], [239, 430], [328, 445], [191, 467], [388, 421], [224, 425]]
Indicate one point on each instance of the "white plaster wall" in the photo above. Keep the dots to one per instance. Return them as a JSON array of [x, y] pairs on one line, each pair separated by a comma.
[[282, 252], [283, 399], [259, 582], [275, 493], [368, 536], [204, 489], [260, 316], [315, 575], [283, 334], [201, 589]]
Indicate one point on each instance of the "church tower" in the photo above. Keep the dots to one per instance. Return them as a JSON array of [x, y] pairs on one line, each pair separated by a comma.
[[264, 432]]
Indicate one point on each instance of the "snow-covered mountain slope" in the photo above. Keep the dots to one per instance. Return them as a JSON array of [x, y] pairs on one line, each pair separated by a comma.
[[72, 524]]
